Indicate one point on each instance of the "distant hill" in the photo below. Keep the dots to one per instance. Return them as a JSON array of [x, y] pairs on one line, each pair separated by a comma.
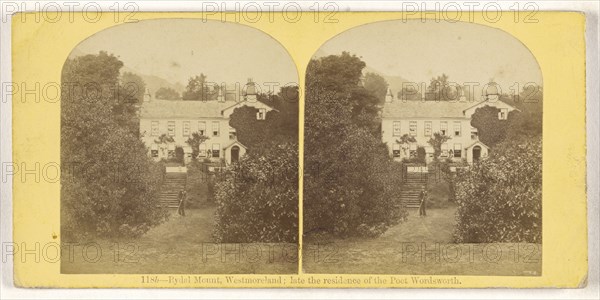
[[153, 82]]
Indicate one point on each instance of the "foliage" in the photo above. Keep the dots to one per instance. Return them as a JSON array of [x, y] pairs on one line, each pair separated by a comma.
[[376, 85], [133, 86], [436, 142], [490, 129], [420, 158], [421, 154], [194, 141], [279, 126], [179, 154], [257, 199], [112, 187], [250, 131], [351, 184], [342, 75], [500, 198], [198, 89], [164, 139], [441, 89], [167, 94]]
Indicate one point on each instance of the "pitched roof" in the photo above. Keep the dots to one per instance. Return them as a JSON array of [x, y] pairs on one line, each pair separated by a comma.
[[492, 104], [169, 109], [424, 109], [234, 142], [477, 142]]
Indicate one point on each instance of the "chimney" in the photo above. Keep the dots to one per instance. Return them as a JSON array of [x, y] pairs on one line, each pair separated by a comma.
[[220, 96], [250, 91], [389, 97]]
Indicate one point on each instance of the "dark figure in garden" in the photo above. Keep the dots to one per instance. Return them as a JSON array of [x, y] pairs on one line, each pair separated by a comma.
[[181, 208], [423, 206]]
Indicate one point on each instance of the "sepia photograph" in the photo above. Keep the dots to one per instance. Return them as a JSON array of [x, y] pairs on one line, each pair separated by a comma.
[[181, 137], [423, 152]]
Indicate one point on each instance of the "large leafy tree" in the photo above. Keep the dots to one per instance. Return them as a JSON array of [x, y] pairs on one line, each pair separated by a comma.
[[350, 182], [490, 129], [198, 89], [111, 189]]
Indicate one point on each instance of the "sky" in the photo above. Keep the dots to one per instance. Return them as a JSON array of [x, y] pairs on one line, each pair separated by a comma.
[[419, 51], [176, 49]]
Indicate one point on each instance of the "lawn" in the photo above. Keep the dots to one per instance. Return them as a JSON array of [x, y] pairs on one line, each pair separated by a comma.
[[182, 245], [420, 246]]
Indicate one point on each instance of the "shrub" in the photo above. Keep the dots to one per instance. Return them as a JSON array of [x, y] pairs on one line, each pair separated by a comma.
[[257, 199], [500, 198], [179, 154]]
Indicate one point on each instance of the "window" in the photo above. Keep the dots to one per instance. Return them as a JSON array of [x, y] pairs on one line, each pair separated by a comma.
[[232, 133], [457, 150], [444, 149], [215, 128], [186, 128], [412, 128], [261, 114], [503, 114], [396, 150], [154, 128], [397, 131], [201, 127], [444, 127], [216, 150], [457, 128], [154, 151], [474, 133], [413, 150], [171, 151], [427, 128], [202, 150], [171, 128]]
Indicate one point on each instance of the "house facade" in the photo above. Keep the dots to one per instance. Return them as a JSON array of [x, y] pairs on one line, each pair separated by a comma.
[[166, 125], [421, 119]]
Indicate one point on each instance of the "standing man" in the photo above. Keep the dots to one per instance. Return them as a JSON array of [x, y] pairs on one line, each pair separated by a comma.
[[423, 206], [182, 198]]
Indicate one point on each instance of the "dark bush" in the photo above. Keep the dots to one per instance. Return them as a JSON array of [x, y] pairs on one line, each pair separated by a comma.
[[500, 198], [257, 199], [179, 154]]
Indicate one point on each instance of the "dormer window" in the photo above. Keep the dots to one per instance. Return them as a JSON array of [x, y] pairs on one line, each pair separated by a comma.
[[261, 114], [503, 114]]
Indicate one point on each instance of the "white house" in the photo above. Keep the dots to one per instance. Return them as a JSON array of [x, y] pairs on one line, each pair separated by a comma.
[[178, 119], [421, 119]]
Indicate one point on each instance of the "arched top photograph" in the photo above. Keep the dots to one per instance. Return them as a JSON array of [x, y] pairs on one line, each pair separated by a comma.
[[428, 110], [170, 114]]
